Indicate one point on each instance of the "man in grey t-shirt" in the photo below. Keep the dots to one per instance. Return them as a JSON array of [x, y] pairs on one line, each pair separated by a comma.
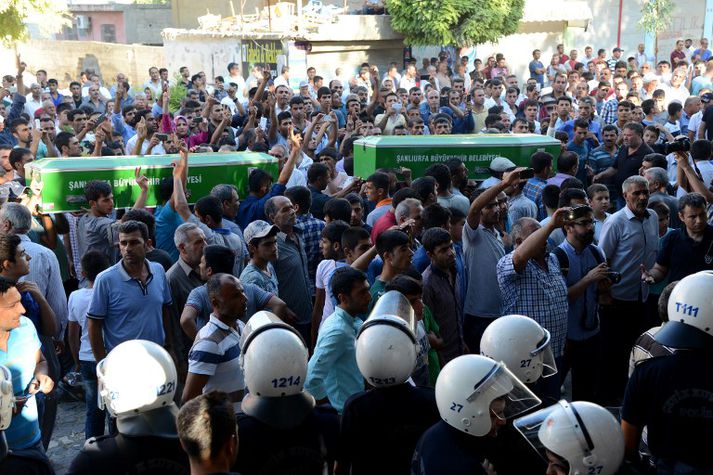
[[483, 248], [94, 229]]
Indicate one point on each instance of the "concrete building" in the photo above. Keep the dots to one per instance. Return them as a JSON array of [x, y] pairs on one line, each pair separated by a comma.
[[117, 22], [354, 38]]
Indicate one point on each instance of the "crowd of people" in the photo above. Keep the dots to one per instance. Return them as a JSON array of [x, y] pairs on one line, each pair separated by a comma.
[[377, 324]]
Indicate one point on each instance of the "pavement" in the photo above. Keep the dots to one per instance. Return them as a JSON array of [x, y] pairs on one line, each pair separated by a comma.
[[68, 437]]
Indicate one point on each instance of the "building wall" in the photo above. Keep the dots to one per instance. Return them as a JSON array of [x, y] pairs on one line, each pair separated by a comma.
[[99, 18], [144, 23], [106, 59]]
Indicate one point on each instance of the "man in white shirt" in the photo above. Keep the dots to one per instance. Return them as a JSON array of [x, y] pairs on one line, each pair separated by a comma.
[[154, 83], [284, 78], [237, 78], [34, 100]]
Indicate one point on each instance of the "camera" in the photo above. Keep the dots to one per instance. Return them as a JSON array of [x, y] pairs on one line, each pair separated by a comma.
[[615, 277], [679, 144]]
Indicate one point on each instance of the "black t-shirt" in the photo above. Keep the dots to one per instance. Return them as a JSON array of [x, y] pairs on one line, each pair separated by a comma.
[[628, 165], [673, 396], [109, 455], [444, 450], [380, 428], [708, 119], [683, 256], [301, 450]]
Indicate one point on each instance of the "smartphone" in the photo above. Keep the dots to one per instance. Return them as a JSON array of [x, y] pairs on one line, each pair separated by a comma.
[[468, 99], [425, 77], [263, 123], [162, 137], [527, 173], [2, 120], [38, 126], [196, 121], [101, 118]]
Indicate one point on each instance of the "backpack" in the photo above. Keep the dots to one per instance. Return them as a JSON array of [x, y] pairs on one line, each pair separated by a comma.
[[563, 260]]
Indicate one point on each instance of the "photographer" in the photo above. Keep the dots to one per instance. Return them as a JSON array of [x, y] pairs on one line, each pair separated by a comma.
[[588, 279]]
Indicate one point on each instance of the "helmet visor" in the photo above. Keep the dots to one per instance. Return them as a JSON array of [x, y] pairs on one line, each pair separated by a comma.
[[396, 304], [549, 367], [544, 424], [501, 385]]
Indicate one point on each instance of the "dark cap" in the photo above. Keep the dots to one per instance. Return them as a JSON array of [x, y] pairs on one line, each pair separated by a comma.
[[617, 49], [707, 97]]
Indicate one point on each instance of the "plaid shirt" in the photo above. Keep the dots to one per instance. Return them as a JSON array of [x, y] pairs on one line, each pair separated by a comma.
[[533, 190], [538, 293], [311, 228], [609, 113]]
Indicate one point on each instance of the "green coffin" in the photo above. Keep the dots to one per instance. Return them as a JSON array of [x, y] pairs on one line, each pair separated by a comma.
[[61, 181], [418, 152]]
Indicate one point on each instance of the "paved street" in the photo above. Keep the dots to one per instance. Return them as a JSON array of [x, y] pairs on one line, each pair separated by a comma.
[[68, 436]]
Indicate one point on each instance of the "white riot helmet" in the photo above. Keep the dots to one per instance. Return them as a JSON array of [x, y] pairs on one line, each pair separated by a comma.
[[135, 380], [522, 344], [468, 385], [386, 346], [690, 313], [584, 434], [274, 361], [7, 397]]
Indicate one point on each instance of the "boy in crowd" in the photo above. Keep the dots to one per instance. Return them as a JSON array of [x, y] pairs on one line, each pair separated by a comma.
[[598, 195], [93, 262]]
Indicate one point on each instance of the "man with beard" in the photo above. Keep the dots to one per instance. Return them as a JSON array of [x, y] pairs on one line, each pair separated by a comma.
[[586, 273]]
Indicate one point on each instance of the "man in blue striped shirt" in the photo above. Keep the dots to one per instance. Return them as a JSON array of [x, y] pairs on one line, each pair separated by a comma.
[[213, 362]]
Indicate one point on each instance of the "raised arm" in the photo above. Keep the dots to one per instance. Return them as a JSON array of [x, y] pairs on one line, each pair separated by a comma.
[[295, 152], [510, 178], [536, 241]]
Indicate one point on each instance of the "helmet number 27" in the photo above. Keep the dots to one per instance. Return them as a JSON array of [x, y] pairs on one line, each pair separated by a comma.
[[525, 363]]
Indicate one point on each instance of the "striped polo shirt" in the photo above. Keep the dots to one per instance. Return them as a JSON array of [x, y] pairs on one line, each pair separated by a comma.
[[216, 353]]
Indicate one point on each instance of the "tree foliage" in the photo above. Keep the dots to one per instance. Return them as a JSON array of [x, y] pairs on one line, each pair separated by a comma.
[[50, 15], [656, 16], [454, 22]]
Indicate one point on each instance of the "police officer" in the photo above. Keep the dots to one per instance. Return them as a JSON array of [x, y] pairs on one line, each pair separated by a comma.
[[475, 397], [380, 427], [136, 382], [523, 346], [673, 395], [279, 428], [575, 438]]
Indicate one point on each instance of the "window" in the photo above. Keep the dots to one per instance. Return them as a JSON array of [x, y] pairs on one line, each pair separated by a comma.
[[108, 33]]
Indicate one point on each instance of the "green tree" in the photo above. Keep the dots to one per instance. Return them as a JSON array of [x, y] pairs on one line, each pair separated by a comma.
[[50, 15], [656, 16], [454, 22]]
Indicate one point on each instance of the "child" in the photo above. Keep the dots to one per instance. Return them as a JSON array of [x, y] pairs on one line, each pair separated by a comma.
[[93, 262], [673, 124], [260, 237], [598, 195]]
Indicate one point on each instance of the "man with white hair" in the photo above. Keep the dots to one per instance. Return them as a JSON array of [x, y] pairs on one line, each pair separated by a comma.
[[44, 267], [629, 239], [184, 276]]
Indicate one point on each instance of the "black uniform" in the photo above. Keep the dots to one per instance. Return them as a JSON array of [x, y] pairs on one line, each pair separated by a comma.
[[122, 454], [301, 450], [673, 396], [380, 428], [444, 450]]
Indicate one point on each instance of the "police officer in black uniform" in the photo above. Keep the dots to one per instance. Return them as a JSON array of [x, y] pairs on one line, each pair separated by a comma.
[[673, 395], [475, 396], [137, 382], [279, 428], [380, 427]]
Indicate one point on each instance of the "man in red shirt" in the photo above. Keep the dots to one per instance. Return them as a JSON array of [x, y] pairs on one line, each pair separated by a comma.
[[677, 54]]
